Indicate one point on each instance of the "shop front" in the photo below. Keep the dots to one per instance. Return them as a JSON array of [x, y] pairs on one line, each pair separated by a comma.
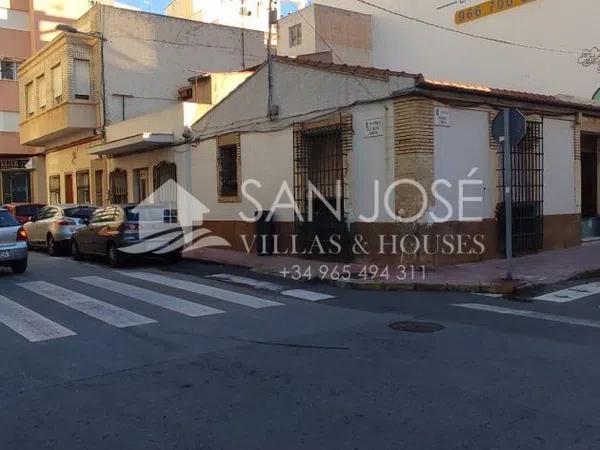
[[15, 180]]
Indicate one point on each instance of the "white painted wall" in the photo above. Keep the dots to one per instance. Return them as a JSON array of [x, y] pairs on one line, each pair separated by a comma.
[[13, 19], [297, 90], [560, 24], [266, 158], [458, 149], [372, 161], [559, 167]]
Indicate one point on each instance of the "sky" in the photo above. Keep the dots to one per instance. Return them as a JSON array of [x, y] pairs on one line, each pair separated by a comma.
[[158, 6]]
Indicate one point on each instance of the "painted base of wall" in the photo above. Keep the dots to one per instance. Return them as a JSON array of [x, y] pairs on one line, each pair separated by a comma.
[[421, 244]]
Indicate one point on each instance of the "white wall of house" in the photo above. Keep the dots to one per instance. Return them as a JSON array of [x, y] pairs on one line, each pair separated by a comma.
[[372, 161], [265, 157], [297, 91], [441, 54], [559, 167], [459, 148]]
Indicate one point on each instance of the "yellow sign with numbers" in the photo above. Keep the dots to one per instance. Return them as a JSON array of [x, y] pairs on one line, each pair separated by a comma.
[[487, 8]]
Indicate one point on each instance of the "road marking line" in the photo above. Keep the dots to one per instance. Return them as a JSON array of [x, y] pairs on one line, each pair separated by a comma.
[[29, 324], [531, 315], [571, 294], [203, 289], [154, 298], [296, 293], [245, 281], [307, 295], [110, 314]]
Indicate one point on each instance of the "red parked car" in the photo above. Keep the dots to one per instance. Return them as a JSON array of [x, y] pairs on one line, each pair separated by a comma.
[[23, 211]]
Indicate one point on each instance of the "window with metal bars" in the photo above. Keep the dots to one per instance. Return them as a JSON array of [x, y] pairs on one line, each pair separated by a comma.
[[83, 187], [227, 162], [527, 191], [320, 159], [118, 186], [163, 192], [54, 189]]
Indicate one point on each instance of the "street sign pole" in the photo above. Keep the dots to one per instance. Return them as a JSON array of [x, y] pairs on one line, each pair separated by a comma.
[[508, 193]]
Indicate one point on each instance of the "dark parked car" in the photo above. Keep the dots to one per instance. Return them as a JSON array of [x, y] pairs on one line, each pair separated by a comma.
[[121, 232], [23, 211], [13, 243]]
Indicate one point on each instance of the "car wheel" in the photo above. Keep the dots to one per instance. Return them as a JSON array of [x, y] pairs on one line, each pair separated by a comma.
[[51, 246], [115, 258], [75, 252], [173, 257], [19, 267]]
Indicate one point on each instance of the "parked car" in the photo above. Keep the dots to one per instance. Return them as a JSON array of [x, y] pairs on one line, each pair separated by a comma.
[[146, 230], [53, 226], [13, 243], [23, 211]]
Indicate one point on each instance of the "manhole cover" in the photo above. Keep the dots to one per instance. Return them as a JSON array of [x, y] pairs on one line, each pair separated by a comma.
[[417, 327]]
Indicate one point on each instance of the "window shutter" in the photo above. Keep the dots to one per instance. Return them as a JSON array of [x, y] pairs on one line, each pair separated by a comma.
[[41, 91], [57, 83], [82, 78]]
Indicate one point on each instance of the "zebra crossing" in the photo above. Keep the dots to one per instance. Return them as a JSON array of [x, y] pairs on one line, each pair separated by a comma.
[[34, 327]]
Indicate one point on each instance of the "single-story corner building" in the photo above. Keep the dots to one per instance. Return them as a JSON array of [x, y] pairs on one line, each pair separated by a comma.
[[360, 133]]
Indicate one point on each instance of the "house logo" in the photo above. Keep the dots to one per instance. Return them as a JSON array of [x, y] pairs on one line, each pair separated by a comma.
[[167, 221]]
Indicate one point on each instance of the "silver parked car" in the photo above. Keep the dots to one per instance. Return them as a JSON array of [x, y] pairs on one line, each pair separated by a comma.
[[53, 226], [13, 243]]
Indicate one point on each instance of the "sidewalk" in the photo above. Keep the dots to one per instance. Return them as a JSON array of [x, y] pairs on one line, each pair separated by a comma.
[[485, 277]]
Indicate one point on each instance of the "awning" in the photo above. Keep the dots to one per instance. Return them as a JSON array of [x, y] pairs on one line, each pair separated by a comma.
[[138, 143]]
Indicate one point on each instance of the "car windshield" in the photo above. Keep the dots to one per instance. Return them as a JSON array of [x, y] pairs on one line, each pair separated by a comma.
[[7, 220], [150, 214], [80, 212], [27, 210]]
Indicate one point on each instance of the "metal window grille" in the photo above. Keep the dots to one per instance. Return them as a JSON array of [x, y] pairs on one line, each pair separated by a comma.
[[54, 189], [228, 170], [83, 186], [118, 186], [527, 191], [320, 159], [99, 176], [163, 173]]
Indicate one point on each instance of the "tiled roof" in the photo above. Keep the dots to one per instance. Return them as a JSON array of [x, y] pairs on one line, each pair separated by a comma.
[[359, 71], [523, 96], [421, 81]]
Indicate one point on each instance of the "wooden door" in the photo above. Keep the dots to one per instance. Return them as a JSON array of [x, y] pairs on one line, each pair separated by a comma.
[[69, 188]]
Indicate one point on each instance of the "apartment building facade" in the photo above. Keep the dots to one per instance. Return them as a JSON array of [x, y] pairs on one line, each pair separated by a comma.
[[25, 27], [250, 14], [115, 65], [528, 45], [326, 34]]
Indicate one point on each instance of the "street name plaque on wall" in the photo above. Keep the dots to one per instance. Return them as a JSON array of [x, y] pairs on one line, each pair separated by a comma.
[[487, 8]]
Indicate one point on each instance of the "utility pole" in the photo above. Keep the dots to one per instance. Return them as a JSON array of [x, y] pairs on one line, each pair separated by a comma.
[[272, 19], [508, 193]]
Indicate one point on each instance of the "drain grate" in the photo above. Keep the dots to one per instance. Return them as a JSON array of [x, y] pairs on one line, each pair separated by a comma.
[[417, 327]]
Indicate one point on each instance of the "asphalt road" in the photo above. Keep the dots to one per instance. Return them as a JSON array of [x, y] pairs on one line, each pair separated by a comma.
[[169, 357]]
